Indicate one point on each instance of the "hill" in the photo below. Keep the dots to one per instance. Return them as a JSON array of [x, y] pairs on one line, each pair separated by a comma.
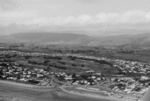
[[134, 41], [47, 38]]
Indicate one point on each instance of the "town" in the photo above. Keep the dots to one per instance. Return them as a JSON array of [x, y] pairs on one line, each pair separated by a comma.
[[132, 78]]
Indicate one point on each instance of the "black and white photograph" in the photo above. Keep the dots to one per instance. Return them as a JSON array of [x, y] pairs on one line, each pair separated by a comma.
[[74, 50]]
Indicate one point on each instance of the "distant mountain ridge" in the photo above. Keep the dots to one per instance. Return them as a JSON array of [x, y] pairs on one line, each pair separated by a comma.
[[124, 41], [49, 38]]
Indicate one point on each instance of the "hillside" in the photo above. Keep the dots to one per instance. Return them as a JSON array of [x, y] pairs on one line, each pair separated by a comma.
[[136, 41], [48, 38]]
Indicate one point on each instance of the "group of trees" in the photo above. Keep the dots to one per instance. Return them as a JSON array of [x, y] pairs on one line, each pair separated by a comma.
[[53, 57]]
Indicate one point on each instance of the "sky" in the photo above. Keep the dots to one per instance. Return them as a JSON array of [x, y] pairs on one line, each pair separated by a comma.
[[91, 16]]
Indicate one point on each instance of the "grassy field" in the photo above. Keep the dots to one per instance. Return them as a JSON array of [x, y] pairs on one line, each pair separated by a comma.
[[19, 93], [62, 64]]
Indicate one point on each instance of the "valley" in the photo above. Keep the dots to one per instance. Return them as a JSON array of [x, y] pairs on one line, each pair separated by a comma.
[[79, 71]]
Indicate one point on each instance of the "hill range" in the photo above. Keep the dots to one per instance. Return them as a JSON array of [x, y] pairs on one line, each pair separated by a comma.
[[141, 41]]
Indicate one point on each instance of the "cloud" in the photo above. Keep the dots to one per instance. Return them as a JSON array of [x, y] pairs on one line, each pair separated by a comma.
[[148, 16], [88, 1], [134, 17], [54, 13], [6, 5], [33, 18], [8, 18], [129, 17]]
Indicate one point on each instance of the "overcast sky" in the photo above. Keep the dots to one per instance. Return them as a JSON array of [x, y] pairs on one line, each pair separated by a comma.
[[88, 15]]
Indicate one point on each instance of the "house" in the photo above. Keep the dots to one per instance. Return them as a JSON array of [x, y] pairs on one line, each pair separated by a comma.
[[23, 79], [68, 78]]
